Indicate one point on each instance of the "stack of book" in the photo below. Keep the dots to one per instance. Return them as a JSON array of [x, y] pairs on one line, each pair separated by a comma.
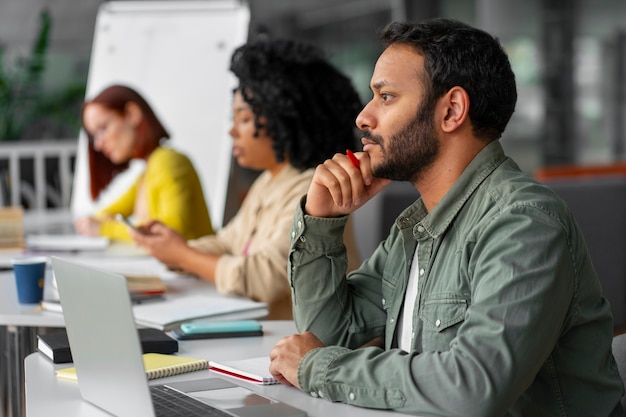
[[11, 228], [142, 288]]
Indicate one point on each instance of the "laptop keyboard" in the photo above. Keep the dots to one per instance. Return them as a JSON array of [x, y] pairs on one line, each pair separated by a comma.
[[171, 403]]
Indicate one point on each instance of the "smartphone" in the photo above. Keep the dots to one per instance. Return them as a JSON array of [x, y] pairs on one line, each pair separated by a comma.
[[217, 329], [128, 223]]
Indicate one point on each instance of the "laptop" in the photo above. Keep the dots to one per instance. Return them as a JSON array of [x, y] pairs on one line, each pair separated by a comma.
[[108, 358]]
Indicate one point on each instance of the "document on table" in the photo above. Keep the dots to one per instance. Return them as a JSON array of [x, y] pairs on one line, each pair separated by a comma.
[[165, 315], [69, 242], [130, 266]]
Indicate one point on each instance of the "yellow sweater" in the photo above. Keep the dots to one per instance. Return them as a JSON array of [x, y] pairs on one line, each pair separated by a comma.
[[174, 195], [255, 243]]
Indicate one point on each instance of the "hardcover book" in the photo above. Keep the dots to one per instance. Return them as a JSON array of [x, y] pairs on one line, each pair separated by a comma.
[[255, 370], [56, 345]]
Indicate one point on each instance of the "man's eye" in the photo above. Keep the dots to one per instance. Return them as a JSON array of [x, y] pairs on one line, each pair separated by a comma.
[[385, 96]]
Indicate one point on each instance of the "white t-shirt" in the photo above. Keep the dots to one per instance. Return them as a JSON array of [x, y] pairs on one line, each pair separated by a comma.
[[405, 326]]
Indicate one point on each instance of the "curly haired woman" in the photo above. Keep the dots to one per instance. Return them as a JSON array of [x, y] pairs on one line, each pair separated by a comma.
[[291, 111]]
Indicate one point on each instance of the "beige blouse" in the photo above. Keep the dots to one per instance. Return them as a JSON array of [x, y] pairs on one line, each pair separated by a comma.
[[255, 244]]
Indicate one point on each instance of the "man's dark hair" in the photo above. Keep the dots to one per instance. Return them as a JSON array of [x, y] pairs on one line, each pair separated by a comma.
[[456, 54], [308, 105]]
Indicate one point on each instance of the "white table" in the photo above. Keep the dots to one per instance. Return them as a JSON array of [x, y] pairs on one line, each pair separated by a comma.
[[19, 324], [18, 328], [46, 395]]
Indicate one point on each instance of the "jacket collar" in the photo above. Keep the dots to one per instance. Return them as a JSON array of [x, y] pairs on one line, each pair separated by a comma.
[[439, 219]]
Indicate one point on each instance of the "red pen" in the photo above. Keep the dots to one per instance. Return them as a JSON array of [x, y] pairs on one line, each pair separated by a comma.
[[353, 159]]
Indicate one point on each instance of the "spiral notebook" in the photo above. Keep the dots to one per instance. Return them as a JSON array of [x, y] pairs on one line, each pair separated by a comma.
[[157, 365]]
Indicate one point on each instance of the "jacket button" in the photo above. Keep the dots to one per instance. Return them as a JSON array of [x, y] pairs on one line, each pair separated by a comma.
[[302, 239], [351, 396], [314, 394], [420, 229], [437, 323]]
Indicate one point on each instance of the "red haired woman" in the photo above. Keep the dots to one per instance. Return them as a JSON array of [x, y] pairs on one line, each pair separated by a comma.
[[121, 126]]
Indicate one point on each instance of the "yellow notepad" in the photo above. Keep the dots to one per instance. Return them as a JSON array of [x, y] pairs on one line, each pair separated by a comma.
[[157, 365]]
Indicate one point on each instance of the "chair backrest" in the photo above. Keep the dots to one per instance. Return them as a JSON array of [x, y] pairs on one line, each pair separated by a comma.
[[619, 352], [598, 204]]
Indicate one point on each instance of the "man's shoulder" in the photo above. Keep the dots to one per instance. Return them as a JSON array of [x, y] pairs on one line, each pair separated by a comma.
[[509, 190]]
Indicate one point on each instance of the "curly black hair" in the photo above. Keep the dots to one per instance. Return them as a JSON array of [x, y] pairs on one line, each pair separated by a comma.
[[309, 106]]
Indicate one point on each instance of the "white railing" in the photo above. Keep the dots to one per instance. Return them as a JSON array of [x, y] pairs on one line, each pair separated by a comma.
[[46, 189]]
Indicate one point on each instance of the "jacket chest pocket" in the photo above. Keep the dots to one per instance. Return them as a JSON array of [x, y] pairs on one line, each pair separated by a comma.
[[441, 318]]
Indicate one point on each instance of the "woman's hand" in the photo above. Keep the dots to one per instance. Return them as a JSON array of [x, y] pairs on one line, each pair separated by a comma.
[[88, 226], [160, 241]]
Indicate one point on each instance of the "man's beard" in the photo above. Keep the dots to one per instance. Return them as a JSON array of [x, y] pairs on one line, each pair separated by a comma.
[[408, 152]]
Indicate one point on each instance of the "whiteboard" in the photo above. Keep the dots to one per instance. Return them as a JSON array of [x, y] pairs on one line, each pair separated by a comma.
[[177, 55]]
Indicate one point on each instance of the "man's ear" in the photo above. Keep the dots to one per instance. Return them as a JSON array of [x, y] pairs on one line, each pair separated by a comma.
[[133, 113], [456, 109]]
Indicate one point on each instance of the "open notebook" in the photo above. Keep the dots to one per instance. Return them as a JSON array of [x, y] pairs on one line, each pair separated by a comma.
[[171, 313], [108, 359]]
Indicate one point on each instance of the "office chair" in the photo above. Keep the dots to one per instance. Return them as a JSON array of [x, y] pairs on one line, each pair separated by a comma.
[[619, 352]]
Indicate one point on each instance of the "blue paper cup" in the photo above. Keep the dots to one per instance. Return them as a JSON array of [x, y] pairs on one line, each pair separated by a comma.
[[29, 273]]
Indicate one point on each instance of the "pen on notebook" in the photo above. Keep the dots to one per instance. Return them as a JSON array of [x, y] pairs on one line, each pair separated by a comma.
[[353, 159]]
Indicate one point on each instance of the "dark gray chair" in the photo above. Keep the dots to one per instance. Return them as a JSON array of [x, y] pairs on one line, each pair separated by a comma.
[[619, 352], [599, 206]]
